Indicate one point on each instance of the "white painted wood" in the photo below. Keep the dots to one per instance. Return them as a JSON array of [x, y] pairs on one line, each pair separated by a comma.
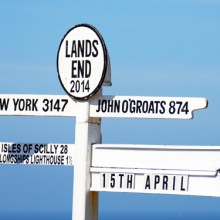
[[37, 154], [200, 158], [146, 107], [181, 170], [87, 132], [152, 171], [37, 105], [194, 183], [112, 106]]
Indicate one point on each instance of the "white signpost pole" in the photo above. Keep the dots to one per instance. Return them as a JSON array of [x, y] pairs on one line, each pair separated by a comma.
[[87, 132], [82, 64]]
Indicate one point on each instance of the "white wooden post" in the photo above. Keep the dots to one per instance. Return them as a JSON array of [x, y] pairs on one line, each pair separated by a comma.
[[87, 132]]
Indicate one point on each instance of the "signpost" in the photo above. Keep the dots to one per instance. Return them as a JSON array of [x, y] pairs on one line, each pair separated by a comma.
[[83, 66]]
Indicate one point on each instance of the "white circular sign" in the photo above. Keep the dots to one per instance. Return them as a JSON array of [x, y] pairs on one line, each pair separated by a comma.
[[82, 61]]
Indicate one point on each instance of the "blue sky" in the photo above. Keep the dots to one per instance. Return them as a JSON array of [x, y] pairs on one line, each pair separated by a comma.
[[157, 48]]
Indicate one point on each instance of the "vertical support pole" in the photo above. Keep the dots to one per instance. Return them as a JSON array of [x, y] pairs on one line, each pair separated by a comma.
[[87, 132]]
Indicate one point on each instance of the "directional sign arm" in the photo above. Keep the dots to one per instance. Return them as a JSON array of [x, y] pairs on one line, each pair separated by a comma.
[[36, 105], [146, 107], [36, 153], [182, 170]]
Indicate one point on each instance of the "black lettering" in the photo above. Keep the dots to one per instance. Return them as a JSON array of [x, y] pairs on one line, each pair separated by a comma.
[[145, 107], [174, 183], [103, 175], [15, 101], [112, 183], [80, 68], [172, 108], [56, 147], [16, 148], [88, 48], [80, 48], [95, 52], [74, 75], [110, 106], [104, 105], [13, 148], [147, 184], [157, 103], [185, 108], [151, 107], [125, 106], [121, 180], [64, 149], [156, 181], [87, 69], [36, 149], [25, 148], [25, 104], [129, 181], [21, 105], [165, 182], [5, 148], [73, 49], [4, 104], [162, 105], [99, 104], [28, 104], [138, 106], [117, 106], [182, 188], [34, 106], [67, 54], [132, 106]]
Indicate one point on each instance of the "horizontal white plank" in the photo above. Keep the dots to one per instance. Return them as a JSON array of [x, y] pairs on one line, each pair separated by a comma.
[[152, 171], [200, 158], [106, 106], [155, 181], [146, 107], [36, 153], [37, 105]]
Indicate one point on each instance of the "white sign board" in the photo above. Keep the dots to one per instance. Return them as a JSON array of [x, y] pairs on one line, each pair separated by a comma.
[[156, 181], [82, 61], [201, 158], [37, 105], [36, 154], [183, 170], [146, 107]]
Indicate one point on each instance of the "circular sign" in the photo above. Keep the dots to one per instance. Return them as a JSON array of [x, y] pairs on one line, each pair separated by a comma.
[[82, 61]]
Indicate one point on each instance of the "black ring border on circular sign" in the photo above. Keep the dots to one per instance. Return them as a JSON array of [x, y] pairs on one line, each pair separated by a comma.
[[105, 54]]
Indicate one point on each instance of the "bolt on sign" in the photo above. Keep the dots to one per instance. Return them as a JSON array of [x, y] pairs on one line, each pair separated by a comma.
[[82, 61]]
